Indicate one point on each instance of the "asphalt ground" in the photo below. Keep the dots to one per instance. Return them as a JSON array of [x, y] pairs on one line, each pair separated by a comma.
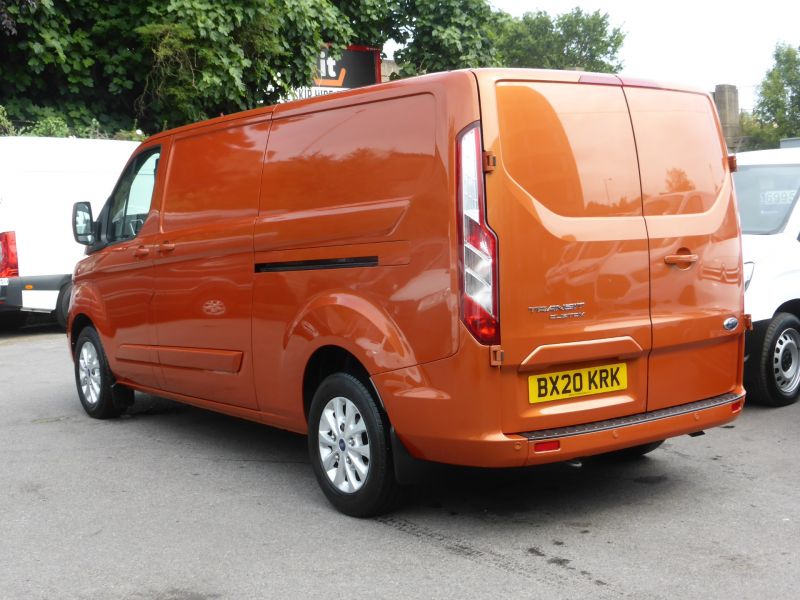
[[176, 503]]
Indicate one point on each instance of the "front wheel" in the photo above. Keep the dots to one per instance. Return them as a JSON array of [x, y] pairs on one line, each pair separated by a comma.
[[348, 444], [775, 379], [93, 377]]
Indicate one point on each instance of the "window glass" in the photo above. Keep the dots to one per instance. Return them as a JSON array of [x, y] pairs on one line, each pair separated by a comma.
[[766, 195], [131, 201], [681, 155]]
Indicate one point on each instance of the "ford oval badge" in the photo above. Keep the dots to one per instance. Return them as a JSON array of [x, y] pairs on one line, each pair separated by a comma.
[[730, 323]]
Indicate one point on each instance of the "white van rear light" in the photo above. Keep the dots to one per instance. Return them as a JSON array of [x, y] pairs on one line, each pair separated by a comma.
[[8, 254], [478, 256]]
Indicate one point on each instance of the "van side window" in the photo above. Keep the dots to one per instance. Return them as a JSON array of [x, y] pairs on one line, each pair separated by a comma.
[[130, 203]]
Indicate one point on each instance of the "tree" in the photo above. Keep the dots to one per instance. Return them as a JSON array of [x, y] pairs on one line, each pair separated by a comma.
[[573, 39], [777, 110], [7, 23], [755, 134], [444, 35], [103, 66], [168, 62], [210, 58]]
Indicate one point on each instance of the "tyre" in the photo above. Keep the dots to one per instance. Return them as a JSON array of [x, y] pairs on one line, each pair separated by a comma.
[[93, 377], [631, 453], [62, 305], [774, 378], [348, 443]]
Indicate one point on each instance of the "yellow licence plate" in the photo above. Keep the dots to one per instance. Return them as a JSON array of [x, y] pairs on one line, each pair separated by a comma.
[[580, 382]]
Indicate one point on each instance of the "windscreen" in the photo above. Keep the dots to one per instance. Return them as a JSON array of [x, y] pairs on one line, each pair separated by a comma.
[[766, 195]]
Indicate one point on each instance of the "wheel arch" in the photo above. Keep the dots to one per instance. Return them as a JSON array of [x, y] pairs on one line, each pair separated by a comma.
[[327, 360], [790, 306], [79, 323], [339, 331]]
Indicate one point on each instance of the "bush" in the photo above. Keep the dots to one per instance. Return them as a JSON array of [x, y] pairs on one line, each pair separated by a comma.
[[6, 127], [52, 126]]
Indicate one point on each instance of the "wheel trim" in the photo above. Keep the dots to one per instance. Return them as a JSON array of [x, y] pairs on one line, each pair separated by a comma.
[[89, 376], [344, 450], [786, 361]]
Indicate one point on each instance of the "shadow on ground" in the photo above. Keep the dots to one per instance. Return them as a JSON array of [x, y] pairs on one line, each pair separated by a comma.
[[531, 495]]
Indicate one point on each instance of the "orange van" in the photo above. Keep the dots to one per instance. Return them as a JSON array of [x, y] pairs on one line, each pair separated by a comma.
[[494, 268]]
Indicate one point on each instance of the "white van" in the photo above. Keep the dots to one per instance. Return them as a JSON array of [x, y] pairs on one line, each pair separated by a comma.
[[767, 188], [40, 180]]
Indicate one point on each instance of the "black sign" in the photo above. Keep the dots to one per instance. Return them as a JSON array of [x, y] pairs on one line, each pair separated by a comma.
[[358, 66]]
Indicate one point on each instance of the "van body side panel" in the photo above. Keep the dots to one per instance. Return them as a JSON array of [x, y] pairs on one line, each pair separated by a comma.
[[690, 210], [574, 281], [204, 262], [355, 241]]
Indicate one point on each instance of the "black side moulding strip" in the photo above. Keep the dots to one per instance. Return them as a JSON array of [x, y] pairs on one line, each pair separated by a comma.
[[322, 263]]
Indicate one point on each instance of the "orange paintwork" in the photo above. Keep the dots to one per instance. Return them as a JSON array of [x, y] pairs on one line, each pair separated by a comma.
[[596, 184]]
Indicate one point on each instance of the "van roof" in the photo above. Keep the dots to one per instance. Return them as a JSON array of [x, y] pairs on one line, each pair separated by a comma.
[[48, 154], [582, 77], [778, 156], [489, 73]]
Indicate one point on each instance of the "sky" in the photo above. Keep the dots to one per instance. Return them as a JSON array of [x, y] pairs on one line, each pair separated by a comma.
[[700, 43]]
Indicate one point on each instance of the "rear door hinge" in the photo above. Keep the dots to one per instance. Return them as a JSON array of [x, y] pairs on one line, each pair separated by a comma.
[[496, 356], [748, 322], [489, 161]]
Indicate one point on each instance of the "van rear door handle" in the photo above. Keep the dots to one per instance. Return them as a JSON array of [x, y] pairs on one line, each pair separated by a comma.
[[141, 251], [166, 247], [681, 260]]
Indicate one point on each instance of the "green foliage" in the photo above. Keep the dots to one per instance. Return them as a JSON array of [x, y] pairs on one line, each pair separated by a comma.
[[444, 35], [7, 23], [166, 62], [6, 126], [100, 68], [757, 135], [572, 40], [372, 22], [51, 126], [777, 111]]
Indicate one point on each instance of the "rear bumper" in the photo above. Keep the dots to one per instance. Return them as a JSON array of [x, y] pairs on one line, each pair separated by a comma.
[[451, 411], [633, 430], [35, 293], [537, 447]]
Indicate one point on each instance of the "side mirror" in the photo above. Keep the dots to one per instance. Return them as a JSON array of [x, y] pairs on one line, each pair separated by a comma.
[[83, 223]]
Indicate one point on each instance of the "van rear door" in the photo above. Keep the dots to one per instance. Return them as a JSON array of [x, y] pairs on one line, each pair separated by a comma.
[[695, 251], [565, 204]]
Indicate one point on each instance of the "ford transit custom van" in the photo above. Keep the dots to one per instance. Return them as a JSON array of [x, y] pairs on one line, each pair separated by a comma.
[[491, 267]]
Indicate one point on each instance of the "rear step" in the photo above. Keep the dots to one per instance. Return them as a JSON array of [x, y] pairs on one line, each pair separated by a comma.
[[546, 434]]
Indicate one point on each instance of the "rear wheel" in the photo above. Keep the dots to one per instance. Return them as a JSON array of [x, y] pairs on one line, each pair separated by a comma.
[[348, 443], [774, 379], [93, 377], [62, 305]]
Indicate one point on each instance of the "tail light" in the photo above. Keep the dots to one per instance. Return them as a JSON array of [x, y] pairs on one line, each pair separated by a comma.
[[8, 254], [478, 256]]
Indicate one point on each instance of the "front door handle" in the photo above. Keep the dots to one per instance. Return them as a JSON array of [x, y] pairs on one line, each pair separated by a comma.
[[681, 260], [166, 247], [141, 251]]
